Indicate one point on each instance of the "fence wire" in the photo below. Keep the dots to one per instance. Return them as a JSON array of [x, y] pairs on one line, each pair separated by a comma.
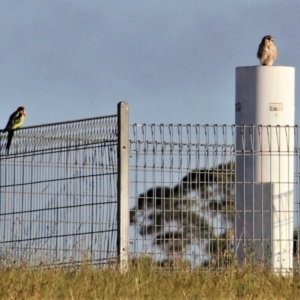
[[59, 193], [199, 193], [203, 195]]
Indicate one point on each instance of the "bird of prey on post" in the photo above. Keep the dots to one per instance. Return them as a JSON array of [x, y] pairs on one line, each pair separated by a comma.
[[267, 51]]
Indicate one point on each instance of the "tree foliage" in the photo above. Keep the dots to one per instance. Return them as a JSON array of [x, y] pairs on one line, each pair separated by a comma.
[[198, 210]]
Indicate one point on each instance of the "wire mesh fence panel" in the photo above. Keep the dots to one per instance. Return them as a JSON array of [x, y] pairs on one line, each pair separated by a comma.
[[192, 198], [265, 195], [182, 192], [202, 195], [59, 193]]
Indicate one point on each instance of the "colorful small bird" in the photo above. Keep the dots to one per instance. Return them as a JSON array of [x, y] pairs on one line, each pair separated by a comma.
[[15, 121], [267, 51]]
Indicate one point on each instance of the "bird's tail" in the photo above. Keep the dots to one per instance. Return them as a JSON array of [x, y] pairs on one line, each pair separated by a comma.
[[9, 139]]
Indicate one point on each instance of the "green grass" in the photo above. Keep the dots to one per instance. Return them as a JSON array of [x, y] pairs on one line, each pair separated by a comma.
[[145, 280]]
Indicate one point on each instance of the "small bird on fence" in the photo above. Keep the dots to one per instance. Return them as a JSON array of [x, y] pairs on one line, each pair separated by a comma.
[[267, 51], [15, 121]]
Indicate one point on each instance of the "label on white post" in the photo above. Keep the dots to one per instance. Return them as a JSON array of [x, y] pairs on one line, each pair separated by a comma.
[[276, 106]]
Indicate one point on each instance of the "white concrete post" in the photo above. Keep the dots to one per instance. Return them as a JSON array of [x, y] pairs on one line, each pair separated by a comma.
[[265, 104], [123, 185]]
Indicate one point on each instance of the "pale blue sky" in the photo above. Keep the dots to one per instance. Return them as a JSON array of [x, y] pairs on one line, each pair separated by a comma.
[[173, 61]]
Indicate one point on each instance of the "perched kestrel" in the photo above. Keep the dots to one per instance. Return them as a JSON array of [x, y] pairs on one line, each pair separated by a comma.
[[15, 121], [267, 51]]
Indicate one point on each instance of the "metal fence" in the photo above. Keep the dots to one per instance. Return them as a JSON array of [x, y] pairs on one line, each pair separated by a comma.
[[206, 194], [59, 193], [202, 195]]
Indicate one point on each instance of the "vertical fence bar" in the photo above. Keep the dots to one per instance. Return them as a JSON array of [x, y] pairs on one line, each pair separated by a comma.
[[123, 184]]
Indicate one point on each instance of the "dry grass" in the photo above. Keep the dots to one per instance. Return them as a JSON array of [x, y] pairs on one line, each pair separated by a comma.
[[145, 281]]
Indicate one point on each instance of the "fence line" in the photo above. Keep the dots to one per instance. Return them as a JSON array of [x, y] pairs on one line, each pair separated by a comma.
[[184, 205], [194, 190], [59, 193]]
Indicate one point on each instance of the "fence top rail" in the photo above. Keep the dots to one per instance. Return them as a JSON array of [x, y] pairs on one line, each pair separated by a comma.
[[61, 136], [66, 122], [213, 125], [156, 125]]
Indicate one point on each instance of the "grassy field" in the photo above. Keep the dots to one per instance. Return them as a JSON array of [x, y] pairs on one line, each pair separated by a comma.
[[145, 281]]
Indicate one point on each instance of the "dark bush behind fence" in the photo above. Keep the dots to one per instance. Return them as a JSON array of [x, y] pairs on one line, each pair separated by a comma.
[[64, 192]]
